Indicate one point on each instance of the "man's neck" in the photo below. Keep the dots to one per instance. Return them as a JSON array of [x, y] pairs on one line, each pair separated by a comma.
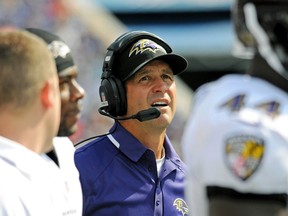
[[151, 138]]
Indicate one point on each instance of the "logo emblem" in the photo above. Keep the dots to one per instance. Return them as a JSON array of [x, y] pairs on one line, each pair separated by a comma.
[[58, 48], [145, 45], [181, 206], [244, 153]]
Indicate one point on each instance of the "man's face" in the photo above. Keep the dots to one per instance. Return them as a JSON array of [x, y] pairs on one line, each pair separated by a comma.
[[71, 94], [153, 86]]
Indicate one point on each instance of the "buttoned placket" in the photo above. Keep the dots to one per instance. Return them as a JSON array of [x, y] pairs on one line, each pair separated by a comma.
[[150, 164], [158, 211]]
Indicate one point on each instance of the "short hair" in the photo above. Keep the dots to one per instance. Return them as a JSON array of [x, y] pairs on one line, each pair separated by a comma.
[[25, 64]]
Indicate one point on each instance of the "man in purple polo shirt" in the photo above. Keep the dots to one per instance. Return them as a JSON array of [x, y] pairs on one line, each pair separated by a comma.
[[134, 169]]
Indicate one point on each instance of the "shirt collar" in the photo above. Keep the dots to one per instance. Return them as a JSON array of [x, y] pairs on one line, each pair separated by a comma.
[[131, 147], [126, 142]]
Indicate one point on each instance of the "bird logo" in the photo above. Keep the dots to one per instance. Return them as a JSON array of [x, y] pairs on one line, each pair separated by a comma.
[[181, 206], [58, 48], [145, 45]]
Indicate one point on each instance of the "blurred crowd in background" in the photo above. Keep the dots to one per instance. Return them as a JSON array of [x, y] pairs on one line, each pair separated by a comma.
[[88, 51]]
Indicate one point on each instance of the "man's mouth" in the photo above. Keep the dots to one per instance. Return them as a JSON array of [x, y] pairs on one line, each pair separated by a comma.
[[159, 104]]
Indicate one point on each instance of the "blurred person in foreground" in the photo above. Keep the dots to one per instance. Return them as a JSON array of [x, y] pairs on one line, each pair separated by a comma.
[[30, 116], [134, 169], [236, 141], [71, 94]]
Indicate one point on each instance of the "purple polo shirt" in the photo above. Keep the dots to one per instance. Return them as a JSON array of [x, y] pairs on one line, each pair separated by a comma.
[[119, 177]]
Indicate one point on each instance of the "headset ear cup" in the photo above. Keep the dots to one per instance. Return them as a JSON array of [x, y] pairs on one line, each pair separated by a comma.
[[122, 110], [112, 91]]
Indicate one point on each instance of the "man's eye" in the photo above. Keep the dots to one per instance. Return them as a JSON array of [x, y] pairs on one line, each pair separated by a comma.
[[166, 76], [144, 78]]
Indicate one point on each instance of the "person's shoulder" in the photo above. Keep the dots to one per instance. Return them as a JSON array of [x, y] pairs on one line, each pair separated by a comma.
[[89, 145], [220, 87], [99, 148], [224, 81], [62, 140], [94, 157], [63, 144]]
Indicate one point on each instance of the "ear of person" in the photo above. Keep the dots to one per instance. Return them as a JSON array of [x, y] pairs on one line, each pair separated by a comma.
[[47, 94]]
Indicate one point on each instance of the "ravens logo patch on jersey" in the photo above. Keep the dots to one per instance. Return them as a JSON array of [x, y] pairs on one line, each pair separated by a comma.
[[244, 154]]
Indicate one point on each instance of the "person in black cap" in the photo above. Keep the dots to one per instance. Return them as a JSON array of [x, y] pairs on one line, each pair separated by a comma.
[[134, 169], [71, 95], [71, 92]]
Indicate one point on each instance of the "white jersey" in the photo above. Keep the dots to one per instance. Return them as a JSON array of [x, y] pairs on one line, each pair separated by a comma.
[[236, 137], [65, 153], [32, 184]]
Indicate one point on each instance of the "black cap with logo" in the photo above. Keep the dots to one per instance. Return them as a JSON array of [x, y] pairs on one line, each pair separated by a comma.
[[138, 54], [60, 50]]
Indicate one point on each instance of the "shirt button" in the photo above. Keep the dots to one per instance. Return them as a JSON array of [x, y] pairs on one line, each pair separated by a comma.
[[157, 202]]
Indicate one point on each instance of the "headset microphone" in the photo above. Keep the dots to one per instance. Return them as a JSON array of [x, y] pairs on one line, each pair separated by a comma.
[[144, 115]]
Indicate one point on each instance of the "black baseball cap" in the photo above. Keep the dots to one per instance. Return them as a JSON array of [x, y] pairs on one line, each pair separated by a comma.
[[60, 50], [143, 51]]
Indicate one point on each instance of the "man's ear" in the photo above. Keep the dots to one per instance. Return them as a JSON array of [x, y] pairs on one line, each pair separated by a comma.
[[47, 94]]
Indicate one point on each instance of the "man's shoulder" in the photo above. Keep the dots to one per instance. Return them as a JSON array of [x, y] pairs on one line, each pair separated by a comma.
[[93, 143], [97, 150], [63, 144], [94, 157]]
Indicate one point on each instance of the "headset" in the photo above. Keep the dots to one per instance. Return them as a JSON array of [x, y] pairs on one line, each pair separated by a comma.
[[112, 90]]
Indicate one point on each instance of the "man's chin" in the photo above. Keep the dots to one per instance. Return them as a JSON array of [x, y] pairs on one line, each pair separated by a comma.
[[65, 131]]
